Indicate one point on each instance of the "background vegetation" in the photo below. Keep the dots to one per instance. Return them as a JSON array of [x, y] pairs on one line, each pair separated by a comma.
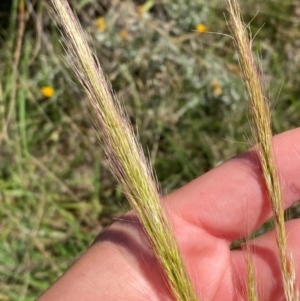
[[181, 88]]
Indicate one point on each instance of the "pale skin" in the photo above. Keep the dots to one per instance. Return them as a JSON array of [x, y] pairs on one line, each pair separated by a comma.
[[207, 215]]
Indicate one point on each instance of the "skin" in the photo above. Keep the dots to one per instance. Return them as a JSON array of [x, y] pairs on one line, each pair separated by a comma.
[[207, 215]]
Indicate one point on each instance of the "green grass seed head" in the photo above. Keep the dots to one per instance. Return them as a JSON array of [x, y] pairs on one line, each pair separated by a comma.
[[260, 118], [126, 158]]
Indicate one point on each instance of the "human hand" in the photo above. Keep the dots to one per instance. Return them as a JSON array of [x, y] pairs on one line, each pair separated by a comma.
[[207, 215]]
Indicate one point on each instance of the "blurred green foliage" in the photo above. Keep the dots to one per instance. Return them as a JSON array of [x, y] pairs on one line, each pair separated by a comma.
[[181, 89]]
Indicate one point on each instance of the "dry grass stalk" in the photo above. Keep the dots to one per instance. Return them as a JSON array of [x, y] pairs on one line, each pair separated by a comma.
[[251, 289], [126, 157], [261, 126]]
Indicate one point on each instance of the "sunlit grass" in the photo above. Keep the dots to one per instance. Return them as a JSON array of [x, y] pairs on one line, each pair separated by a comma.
[[57, 196], [261, 127]]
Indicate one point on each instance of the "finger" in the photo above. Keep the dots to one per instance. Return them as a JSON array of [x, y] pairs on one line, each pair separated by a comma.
[[268, 276], [230, 201]]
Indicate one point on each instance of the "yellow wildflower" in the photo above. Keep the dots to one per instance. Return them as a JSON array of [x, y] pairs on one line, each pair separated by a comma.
[[201, 28], [216, 87], [141, 9], [47, 91], [101, 25], [123, 34]]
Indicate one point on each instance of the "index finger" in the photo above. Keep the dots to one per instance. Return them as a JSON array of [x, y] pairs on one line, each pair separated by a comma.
[[230, 201]]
